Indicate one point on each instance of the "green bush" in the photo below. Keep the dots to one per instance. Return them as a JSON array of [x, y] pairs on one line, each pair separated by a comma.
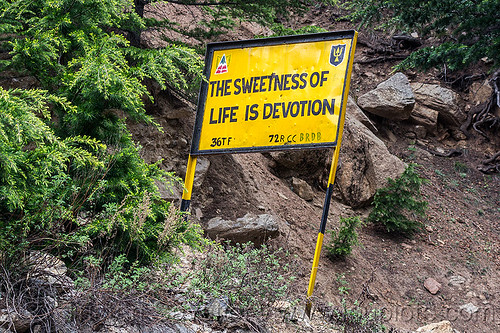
[[72, 180], [250, 279], [75, 196], [398, 205], [465, 31], [342, 241], [352, 318]]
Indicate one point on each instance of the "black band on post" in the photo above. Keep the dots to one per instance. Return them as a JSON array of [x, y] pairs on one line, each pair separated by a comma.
[[326, 208], [185, 205]]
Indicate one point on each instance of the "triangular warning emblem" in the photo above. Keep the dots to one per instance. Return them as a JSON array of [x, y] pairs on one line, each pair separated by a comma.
[[222, 67]]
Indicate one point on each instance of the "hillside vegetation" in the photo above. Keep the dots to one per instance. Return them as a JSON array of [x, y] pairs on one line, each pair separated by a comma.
[[96, 112]]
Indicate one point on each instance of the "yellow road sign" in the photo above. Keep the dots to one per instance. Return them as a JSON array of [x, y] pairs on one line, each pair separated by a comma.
[[274, 94]]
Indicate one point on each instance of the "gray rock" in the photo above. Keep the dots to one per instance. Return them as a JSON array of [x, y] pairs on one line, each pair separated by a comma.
[[178, 315], [356, 113], [51, 270], [456, 280], [170, 192], [480, 92], [202, 165], [218, 307], [469, 308], [179, 328], [47, 263], [302, 189], [441, 327], [366, 164], [410, 135], [392, 99], [442, 100], [249, 228], [426, 117], [420, 132], [13, 321]]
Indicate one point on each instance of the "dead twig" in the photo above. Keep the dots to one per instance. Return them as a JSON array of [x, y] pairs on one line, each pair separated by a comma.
[[483, 117], [381, 59], [491, 164]]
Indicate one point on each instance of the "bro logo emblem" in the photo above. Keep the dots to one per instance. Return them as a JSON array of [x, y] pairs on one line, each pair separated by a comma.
[[337, 54]]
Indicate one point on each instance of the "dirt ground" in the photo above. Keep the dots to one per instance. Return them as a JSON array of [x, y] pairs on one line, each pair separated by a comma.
[[461, 238], [460, 246]]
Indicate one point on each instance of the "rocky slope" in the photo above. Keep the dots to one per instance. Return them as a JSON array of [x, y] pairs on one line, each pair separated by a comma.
[[449, 271], [459, 248]]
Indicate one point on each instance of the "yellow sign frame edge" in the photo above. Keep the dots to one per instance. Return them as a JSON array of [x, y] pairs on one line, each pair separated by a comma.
[[202, 96]]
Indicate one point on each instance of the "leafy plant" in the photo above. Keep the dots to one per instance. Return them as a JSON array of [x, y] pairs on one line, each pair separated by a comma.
[[72, 179], [352, 319], [342, 241], [250, 278], [460, 167], [397, 205], [124, 291], [466, 30]]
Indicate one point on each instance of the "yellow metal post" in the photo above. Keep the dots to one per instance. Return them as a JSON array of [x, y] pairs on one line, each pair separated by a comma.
[[329, 191], [321, 233], [188, 184]]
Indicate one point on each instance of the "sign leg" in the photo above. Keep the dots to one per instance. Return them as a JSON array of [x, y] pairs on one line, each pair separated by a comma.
[[322, 227], [188, 184]]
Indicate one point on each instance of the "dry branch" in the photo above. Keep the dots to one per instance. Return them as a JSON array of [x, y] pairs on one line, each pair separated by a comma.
[[491, 164], [483, 117]]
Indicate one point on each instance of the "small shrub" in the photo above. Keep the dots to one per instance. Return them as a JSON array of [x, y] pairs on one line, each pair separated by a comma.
[[342, 242], [352, 318], [247, 278], [460, 167], [397, 205], [124, 292]]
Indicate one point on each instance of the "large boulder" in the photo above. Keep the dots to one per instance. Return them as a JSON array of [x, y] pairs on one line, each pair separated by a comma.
[[366, 163], [438, 102], [202, 166], [249, 228], [480, 92], [392, 99], [49, 269], [15, 320], [356, 113]]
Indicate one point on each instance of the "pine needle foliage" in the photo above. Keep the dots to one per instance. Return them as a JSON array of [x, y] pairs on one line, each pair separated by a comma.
[[72, 178], [35, 165], [398, 205], [467, 30], [71, 195], [342, 241]]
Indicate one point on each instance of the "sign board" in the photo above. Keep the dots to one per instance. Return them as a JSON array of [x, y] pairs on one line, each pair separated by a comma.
[[274, 94]]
